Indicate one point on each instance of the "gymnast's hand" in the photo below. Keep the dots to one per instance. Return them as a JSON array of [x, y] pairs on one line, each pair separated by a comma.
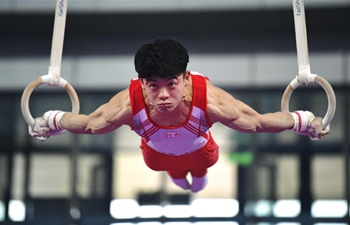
[[315, 131], [40, 129], [305, 123], [47, 125]]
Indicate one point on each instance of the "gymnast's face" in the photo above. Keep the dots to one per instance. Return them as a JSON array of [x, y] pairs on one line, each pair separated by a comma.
[[166, 94]]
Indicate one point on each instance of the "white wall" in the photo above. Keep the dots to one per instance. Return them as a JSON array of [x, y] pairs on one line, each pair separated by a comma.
[[33, 6], [111, 72]]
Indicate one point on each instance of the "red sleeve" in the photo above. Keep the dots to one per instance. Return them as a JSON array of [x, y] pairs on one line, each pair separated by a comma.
[[200, 94]]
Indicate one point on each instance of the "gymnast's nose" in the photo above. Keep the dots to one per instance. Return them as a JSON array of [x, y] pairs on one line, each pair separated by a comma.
[[163, 94]]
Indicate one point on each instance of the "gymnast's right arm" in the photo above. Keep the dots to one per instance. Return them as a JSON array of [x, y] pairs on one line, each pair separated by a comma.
[[106, 118]]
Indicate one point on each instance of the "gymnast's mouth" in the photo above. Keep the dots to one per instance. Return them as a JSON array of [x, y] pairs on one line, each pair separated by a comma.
[[164, 105]]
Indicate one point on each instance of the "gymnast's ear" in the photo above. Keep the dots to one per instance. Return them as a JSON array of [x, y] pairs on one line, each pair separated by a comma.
[[142, 84], [187, 78], [141, 80]]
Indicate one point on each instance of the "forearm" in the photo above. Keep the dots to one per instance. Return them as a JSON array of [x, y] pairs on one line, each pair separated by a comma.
[[224, 108], [101, 121], [275, 122], [75, 123], [104, 119], [267, 123]]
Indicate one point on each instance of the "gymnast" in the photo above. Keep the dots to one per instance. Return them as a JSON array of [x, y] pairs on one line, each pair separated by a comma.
[[172, 110]]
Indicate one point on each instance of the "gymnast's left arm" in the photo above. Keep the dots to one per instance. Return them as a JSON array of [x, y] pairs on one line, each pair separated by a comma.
[[224, 108]]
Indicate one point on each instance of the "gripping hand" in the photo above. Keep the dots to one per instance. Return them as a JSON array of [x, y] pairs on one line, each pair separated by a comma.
[[305, 123], [40, 130], [47, 125]]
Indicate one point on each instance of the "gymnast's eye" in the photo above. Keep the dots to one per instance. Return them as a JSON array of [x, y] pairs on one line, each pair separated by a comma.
[[152, 86]]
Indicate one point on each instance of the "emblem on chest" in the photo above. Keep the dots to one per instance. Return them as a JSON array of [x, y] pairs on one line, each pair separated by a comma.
[[174, 134]]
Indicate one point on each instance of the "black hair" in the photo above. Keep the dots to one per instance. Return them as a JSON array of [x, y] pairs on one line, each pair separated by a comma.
[[164, 58]]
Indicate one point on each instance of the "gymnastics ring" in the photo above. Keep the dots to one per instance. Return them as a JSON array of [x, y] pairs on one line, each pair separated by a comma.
[[47, 79], [306, 79]]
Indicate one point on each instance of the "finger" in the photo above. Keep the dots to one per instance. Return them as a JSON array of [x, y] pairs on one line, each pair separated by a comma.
[[317, 125], [44, 131], [315, 131], [312, 133], [327, 130], [40, 134], [32, 132], [39, 137]]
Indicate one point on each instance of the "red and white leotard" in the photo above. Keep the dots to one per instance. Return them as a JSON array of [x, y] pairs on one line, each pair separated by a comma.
[[175, 148]]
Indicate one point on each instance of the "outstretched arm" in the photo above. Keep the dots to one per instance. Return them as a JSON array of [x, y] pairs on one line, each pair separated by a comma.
[[106, 118], [224, 108]]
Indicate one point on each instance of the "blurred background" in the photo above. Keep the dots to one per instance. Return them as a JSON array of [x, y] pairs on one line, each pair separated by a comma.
[[246, 47]]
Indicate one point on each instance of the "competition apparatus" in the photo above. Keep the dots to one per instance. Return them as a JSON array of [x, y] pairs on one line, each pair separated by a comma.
[[53, 77], [305, 77]]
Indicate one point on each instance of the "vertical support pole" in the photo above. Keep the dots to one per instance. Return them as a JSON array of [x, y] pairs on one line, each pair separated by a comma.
[[8, 185], [305, 194], [8, 145], [305, 173], [27, 168], [347, 150], [74, 202], [346, 132]]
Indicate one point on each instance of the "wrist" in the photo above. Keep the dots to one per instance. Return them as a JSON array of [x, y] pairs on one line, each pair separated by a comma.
[[295, 120], [302, 120], [53, 118]]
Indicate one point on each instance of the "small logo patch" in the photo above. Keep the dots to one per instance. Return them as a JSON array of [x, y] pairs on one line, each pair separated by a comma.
[[172, 134]]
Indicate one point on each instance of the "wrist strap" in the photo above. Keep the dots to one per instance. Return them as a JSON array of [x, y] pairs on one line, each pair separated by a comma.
[[301, 120], [53, 118], [297, 121]]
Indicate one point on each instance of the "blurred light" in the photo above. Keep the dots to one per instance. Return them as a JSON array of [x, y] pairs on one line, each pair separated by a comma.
[[150, 211], [288, 223], [149, 223], [122, 224], [178, 223], [249, 208], [215, 223], [263, 208], [329, 208], [215, 207], [17, 210], [124, 208], [330, 224], [262, 223], [177, 211], [287, 208], [2, 211], [75, 213]]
